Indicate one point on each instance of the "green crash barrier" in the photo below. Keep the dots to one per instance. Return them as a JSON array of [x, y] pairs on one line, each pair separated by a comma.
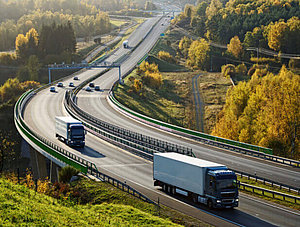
[[28, 133], [193, 133]]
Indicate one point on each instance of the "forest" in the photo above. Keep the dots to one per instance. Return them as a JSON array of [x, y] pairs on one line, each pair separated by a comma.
[[264, 111], [264, 106], [256, 23]]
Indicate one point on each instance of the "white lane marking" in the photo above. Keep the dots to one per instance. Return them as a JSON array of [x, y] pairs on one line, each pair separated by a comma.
[[124, 165], [271, 205]]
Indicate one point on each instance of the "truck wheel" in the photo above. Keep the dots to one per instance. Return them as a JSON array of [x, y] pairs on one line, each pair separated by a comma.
[[164, 187], [195, 198], [173, 190], [210, 204]]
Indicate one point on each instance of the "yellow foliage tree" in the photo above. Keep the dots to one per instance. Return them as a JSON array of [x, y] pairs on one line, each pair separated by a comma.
[[235, 47], [198, 54], [264, 111], [166, 56], [276, 35]]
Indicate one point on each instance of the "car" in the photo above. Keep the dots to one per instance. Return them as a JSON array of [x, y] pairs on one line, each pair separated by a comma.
[[75, 78], [88, 89], [52, 89], [162, 24], [97, 88], [92, 85], [60, 84], [71, 84]]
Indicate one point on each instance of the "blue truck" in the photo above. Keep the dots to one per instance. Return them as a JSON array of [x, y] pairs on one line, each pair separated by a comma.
[[203, 181], [70, 130]]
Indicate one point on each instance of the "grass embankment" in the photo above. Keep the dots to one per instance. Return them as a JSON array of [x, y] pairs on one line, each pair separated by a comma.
[[170, 103], [173, 102], [86, 203]]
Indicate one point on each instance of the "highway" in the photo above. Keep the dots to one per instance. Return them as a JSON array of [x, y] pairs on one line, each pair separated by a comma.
[[42, 109]]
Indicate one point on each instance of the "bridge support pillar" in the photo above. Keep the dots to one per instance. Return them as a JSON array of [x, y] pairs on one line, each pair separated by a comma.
[[54, 169], [39, 166]]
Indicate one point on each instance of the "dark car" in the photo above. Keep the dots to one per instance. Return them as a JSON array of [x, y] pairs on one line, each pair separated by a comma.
[[75, 78], [71, 84], [52, 89], [60, 84], [88, 89], [92, 85], [97, 88]]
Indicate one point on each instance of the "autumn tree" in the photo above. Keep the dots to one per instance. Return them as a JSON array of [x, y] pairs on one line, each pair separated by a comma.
[[277, 35], [235, 47], [264, 111], [198, 54], [27, 45], [184, 45]]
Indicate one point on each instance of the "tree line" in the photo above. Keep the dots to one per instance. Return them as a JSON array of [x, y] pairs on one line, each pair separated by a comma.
[[88, 25], [219, 21], [264, 111]]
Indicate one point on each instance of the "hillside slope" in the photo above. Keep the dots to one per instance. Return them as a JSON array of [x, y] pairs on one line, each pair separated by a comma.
[[22, 206]]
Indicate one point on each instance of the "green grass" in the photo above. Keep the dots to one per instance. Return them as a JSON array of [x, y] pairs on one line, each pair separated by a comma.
[[268, 196], [22, 206], [165, 66], [171, 103], [117, 23], [100, 192], [213, 88]]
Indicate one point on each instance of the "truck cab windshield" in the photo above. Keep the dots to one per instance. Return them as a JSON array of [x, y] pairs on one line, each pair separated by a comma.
[[226, 184], [77, 131]]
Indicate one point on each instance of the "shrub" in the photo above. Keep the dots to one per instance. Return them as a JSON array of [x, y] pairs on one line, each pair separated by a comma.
[[66, 173], [7, 59], [241, 69], [228, 70], [163, 55], [146, 67], [137, 86], [153, 80]]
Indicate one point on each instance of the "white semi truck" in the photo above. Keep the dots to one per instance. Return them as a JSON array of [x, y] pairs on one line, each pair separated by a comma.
[[205, 182], [70, 130], [125, 44]]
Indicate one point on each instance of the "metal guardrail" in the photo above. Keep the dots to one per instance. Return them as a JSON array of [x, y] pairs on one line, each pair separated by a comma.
[[124, 136], [66, 156], [265, 192], [207, 139], [267, 182]]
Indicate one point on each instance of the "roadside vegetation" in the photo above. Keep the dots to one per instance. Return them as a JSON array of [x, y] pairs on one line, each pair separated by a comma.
[[83, 201], [268, 196]]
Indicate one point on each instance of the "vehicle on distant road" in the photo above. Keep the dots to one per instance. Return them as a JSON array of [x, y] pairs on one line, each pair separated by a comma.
[[60, 84], [125, 44], [70, 130], [92, 84], [75, 78], [97, 88], [71, 84], [88, 89], [52, 89], [205, 182]]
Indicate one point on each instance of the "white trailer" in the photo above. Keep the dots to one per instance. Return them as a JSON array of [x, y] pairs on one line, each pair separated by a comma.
[[204, 181], [125, 44], [70, 130]]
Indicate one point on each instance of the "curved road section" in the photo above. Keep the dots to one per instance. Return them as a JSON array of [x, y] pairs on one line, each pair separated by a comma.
[[40, 116]]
